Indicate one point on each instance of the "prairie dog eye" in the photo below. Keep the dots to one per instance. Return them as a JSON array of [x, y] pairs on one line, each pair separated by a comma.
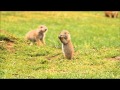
[[41, 27]]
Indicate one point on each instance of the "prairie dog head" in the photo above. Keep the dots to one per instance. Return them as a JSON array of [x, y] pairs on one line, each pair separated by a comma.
[[64, 37], [42, 29]]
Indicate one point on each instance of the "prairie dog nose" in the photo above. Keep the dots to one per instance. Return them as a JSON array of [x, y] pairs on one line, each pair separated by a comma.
[[45, 29], [60, 36]]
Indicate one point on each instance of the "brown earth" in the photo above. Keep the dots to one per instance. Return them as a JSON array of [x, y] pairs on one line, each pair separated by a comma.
[[7, 42], [115, 58]]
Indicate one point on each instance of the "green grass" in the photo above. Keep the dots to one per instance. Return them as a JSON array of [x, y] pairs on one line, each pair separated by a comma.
[[96, 40]]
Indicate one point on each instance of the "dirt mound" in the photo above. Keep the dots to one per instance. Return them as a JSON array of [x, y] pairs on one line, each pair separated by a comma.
[[5, 35], [7, 40], [115, 58], [10, 46]]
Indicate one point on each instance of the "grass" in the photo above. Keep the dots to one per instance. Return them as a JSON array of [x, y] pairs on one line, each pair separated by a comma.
[[96, 40]]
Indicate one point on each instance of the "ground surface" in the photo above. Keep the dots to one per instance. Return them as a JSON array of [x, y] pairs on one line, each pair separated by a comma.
[[96, 40]]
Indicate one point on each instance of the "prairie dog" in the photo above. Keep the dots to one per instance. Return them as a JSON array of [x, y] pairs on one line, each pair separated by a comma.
[[37, 35], [67, 46], [111, 14]]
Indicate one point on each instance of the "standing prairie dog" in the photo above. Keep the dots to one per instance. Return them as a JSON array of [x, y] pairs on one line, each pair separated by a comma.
[[37, 35], [67, 46], [111, 14]]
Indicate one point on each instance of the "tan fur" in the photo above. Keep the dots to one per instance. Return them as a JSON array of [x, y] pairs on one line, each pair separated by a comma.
[[37, 35], [67, 45], [111, 14]]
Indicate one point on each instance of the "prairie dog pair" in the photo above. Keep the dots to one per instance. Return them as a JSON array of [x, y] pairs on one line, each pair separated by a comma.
[[37, 35], [111, 14], [67, 46]]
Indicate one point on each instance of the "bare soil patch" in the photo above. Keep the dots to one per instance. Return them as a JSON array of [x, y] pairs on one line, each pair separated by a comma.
[[114, 58]]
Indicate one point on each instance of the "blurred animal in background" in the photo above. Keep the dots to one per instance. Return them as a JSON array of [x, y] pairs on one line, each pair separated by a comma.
[[111, 14]]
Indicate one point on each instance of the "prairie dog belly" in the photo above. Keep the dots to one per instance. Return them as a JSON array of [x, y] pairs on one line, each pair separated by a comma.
[[67, 50]]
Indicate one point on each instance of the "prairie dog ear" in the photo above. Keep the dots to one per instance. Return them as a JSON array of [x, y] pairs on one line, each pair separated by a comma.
[[40, 26]]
